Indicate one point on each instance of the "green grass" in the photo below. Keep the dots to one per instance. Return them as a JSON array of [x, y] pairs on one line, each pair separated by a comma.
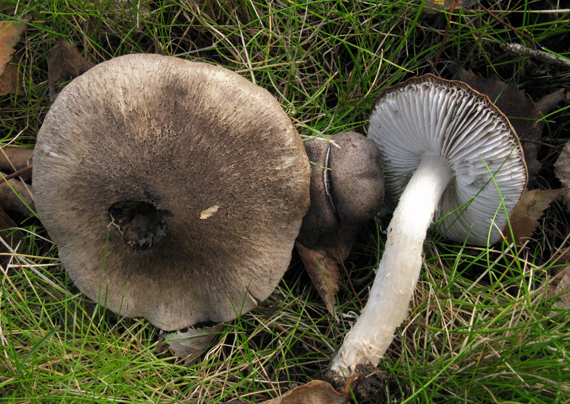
[[482, 327]]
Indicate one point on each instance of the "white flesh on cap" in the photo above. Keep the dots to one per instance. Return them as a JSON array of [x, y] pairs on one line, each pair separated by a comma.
[[449, 137]]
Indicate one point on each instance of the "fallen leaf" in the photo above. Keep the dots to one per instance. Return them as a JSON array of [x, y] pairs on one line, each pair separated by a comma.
[[10, 79], [188, 345], [366, 385], [324, 272], [315, 392], [562, 171], [531, 207], [562, 290], [550, 101], [10, 34], [559, 288], [16, 196], [64, 64], [12, 159]]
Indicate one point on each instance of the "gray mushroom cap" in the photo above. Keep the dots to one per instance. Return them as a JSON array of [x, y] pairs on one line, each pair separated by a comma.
[[432, 116], [347, 186], [173, 189]]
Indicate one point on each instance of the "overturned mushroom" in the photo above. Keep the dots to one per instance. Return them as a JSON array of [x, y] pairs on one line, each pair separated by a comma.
[[174, 190], [468, 170]]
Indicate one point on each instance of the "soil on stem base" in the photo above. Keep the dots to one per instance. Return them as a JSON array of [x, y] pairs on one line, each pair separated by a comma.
[[369, 388]]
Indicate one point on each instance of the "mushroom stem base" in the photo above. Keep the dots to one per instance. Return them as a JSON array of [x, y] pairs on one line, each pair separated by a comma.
[[399, 269]]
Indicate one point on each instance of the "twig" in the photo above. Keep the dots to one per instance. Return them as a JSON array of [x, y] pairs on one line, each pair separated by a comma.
[[446, 34], [521, 50], [17, 173], [352, 383]]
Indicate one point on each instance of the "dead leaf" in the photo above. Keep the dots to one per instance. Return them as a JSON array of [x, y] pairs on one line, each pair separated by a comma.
[[367, 388], [560, 287], [324, 272], [315, 392], [562, 171], [64, 64], [550, 101], [12, 159], [10, 34], [16, 196], [188, 345], [531, 207], [10, 79]]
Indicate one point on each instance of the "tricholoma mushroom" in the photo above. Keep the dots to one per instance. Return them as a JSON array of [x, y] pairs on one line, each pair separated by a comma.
[[347, 190], [173, 189], [448, 152]]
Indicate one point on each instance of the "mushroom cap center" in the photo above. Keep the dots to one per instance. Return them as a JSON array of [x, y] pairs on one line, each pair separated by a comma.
[[140, 224]]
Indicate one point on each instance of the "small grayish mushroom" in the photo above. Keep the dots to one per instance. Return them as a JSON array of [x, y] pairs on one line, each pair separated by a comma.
[[347, 190], [173, 189], [449, 152]]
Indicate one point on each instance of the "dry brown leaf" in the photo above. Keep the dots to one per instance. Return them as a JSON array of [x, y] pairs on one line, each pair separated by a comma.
[[12, 159], [559, 288], [64, 64], [190, 344], [550, 101], [531, 207], [315, 392], [10, 79], [324, 272], [10, 34], [562, 171], [16, 196], [366, 386], [562, 289]]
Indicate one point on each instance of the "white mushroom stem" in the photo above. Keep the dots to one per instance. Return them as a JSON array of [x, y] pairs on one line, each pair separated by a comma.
[[399, 269]]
